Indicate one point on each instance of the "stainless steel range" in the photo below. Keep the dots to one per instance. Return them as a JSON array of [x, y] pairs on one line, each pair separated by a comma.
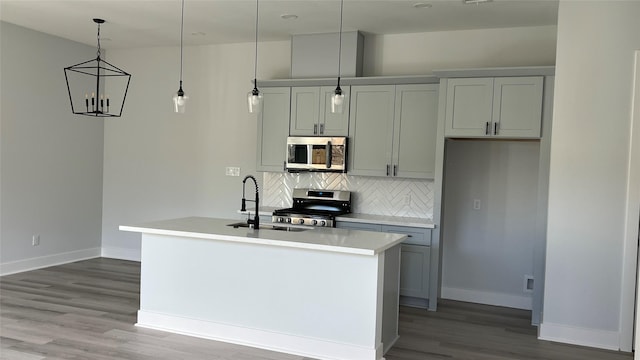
[[314, 207]]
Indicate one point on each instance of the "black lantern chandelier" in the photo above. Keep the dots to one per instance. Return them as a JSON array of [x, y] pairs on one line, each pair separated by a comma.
[[101, 85]]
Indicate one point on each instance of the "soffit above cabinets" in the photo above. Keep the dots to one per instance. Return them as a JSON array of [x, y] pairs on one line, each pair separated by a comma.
[[134, 24]]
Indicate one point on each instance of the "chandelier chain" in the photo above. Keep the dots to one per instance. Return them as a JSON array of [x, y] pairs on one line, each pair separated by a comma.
[[98, 52]]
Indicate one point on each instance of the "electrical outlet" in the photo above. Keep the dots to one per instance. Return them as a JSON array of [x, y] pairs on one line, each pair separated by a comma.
[[35, 240], [407, 200], [528, 284], [232, 171], [476, 204]]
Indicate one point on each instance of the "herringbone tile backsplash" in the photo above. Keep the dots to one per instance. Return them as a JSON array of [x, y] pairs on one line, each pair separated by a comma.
[[370, 195]]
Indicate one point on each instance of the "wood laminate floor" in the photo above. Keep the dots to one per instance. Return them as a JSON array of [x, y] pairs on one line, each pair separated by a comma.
[[87, 310]]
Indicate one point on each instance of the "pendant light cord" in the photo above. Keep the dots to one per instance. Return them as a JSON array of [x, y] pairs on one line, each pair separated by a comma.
[[340, 41], [181, 36], [255, 65]]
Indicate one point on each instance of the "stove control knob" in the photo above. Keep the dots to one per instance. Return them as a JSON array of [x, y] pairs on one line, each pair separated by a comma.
[[314, 222], [323, 223], [301, 221], [280, 219], [288, 220]]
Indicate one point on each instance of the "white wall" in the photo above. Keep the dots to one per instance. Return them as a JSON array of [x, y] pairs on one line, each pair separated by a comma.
[[588, 173], [488, 251], [158, 164], [161, 165], [51, 159]]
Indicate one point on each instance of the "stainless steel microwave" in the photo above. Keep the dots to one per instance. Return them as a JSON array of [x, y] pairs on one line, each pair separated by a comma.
[[314, 153]]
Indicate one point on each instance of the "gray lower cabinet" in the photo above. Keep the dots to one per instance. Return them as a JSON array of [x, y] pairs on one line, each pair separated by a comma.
[[414, 272], [311, 112], [273, 128], [392, 130], [415, 260]]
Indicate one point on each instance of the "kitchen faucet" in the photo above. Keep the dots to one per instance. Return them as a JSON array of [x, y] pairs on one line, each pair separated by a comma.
[[256, 220]]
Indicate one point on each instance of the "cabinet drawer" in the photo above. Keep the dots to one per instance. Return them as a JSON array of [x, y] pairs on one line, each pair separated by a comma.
[[358, 226], [416, 236]]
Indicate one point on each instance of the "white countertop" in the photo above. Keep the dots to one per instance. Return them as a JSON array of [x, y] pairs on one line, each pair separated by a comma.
[[326, 239], [369, 219]]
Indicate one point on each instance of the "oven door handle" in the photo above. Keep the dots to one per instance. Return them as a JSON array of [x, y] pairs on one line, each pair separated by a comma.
[[328, 153]]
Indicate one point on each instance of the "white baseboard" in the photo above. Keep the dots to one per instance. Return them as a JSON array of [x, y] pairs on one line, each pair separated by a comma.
[[48, 260], [291, 344], [602, 339], [487, 298], [121, 253]]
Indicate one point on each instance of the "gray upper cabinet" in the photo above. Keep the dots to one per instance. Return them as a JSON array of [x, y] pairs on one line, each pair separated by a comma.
[[517, 104], [414, 131], [273, 125], [371, 129], [507, 107], [393, 130], [311, 112]]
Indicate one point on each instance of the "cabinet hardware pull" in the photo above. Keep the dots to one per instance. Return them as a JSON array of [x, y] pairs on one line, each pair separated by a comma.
[[495, 128], [395, 170], [315, 129], [328, 153], [284, 165], [387, 169], [321, 129], [409, 235], [486, 129]]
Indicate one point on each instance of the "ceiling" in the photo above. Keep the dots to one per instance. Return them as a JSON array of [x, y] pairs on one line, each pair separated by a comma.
[[150, 23]]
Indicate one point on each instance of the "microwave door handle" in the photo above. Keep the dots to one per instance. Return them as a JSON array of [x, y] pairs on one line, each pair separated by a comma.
[[328, 152]]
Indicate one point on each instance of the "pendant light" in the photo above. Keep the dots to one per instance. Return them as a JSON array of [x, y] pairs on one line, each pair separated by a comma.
[[180, 99], [337, 99], [81, 79], [254, 97]]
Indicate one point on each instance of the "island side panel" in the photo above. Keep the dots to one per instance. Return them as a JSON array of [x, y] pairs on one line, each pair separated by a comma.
[[391, 297], [236, 290]]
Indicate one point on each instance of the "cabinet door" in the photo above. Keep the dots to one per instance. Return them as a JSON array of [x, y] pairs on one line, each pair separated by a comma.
[[305, 111], [517, 107], [331, 124], [273, 127], [414, 271], [371, 129], [469, 107], [415, 127]]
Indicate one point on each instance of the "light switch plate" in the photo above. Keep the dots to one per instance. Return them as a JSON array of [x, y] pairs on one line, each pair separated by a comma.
[[232, 171], [476, 204]]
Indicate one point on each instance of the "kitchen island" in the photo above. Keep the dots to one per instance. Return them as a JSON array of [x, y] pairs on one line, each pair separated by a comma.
[[322, 293]]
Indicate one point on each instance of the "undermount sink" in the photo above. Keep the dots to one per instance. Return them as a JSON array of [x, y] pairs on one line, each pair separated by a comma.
[[267, 227]]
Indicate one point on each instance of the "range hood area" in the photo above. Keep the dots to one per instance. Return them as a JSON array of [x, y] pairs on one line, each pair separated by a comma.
[[316, 55]]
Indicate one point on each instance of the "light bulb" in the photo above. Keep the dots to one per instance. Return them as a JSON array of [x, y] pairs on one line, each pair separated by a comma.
[[179, 103], [254, 101], [337, 103]]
